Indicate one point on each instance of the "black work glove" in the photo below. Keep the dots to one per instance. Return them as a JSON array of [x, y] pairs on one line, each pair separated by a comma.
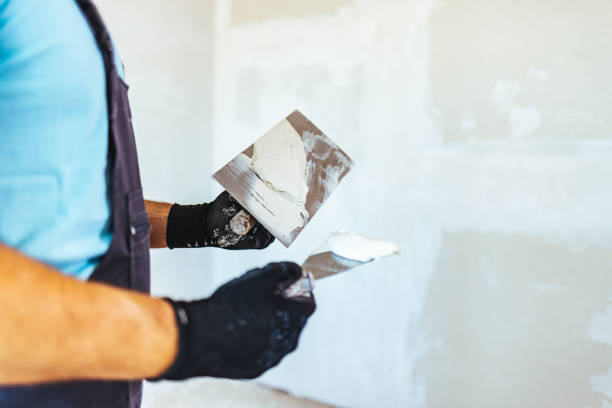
[[207, 225], [243, 329]]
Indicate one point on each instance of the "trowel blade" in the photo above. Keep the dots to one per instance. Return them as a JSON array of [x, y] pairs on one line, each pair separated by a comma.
[[317, 266], [323, 263], [326, 263], [326, 166]]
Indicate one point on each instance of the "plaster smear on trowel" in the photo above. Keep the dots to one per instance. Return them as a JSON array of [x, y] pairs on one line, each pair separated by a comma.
[[279, 160], [328, 175], [288, 215], [360, 248]]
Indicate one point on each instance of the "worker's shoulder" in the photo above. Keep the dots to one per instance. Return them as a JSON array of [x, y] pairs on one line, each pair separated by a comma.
[[31, 22]]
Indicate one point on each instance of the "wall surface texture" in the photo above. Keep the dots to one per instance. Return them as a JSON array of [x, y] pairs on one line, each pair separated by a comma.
[[482, 133]]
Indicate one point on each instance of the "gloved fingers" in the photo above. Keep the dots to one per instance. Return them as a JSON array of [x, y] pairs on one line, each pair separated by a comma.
[[286, 327], [261, 236], [283, 274], [227, 199], [227, 204], [252, 275], [270, 275], [225, 196], [301, 306], [289, 273], [257, 238], [272, 279]]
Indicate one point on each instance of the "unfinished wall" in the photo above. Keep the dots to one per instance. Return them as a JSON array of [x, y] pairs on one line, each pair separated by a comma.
[[167, 50], [482, 136]]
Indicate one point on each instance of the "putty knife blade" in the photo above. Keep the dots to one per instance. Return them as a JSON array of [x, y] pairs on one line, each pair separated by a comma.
[[323, 262]]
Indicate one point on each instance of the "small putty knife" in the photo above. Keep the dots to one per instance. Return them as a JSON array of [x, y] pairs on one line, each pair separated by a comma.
[[325, 262], [326, 166]]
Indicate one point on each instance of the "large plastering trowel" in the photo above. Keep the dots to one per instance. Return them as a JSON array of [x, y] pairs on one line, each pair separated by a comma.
[[339, 253], [326, 166]]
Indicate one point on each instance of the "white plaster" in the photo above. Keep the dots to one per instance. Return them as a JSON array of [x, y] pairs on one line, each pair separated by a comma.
[[351, 245], [363, 76], [604, 404], [523, 120], [547, 287], [279, 159], [277, 212], [539, 74], [603, 383], [468, 124], [503, 94], [600, 328]]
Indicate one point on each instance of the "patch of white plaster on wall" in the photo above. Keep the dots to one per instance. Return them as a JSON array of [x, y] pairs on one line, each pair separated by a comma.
[[491, 279], [602, 383], [468, 123], [503, 94], [604, 404], [523, 120], [600, 329], [361, 74], [547, 287], [538, 74]]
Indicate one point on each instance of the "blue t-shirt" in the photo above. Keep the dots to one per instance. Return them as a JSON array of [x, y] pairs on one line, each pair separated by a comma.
[[53, 136]]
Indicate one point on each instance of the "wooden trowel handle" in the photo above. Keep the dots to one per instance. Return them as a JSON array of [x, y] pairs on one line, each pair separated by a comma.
[[242, 223]]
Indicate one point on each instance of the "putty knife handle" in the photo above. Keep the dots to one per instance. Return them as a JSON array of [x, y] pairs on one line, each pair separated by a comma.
[[301, 287], [242, 223]]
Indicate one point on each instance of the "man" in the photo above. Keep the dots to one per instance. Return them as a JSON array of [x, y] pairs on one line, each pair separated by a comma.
[[77, 328]]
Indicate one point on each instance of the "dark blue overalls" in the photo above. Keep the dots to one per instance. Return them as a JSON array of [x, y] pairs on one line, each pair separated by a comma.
[[126, 263]]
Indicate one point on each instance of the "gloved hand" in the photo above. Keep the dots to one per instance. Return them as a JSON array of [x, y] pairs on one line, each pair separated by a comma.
[[207, 225], [243, 329]]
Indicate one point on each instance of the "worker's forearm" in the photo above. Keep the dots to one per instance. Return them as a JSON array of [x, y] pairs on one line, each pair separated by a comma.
[[158, 218], [53, 327]]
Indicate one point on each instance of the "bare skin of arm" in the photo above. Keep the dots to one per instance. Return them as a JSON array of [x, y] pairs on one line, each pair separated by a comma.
[[54, 327], [158, 218]]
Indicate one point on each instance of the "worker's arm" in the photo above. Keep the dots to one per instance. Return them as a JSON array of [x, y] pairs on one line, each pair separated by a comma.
[[53, 327], [202, 225], [158, 218]]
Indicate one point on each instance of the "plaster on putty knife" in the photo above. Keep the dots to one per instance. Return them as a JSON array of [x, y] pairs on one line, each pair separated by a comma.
[[326, 166], [339, 253]]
